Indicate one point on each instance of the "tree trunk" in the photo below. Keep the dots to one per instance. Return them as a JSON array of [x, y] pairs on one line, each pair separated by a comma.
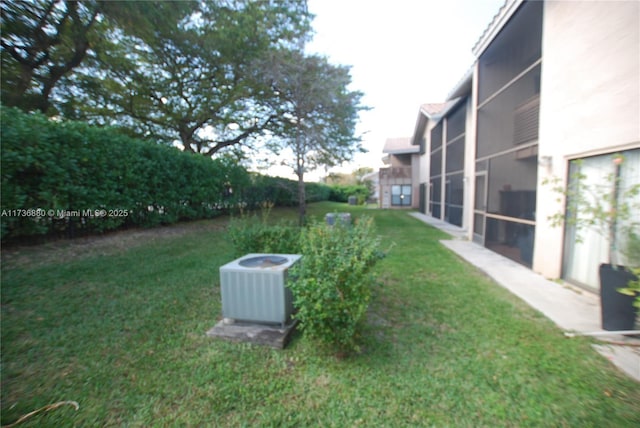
[[302, 208]]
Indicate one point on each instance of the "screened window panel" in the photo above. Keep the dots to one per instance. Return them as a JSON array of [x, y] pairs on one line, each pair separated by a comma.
[[526, 121], [455, 189], [512, 240], [478, 224], [515, 48], [456, 121], [480, 196], [436, 190], [435, 210], [436, 163], [512, 185], [454, 198], [455, 156], [423, 198], [436, 137], [453, 215], [498, 119]]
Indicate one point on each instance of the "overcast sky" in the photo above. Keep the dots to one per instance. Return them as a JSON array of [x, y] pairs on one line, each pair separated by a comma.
[[403, 53]]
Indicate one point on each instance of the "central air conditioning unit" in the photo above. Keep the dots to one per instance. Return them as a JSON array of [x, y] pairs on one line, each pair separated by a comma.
[[254, 289]]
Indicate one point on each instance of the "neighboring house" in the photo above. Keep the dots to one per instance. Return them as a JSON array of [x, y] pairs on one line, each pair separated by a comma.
[[553, 82], [399, 180]]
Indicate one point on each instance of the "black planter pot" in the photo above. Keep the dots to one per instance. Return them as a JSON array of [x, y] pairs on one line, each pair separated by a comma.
[[618, 312]]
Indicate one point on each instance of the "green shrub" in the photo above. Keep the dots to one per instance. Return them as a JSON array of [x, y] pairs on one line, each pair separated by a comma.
[[332, 284], [280, 191], [252, 234], [341, 193], [316, 192]]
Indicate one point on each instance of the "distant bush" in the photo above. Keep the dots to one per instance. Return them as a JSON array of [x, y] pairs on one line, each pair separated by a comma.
[[253, 234], [281, 192], [332, 284], [341, 193]]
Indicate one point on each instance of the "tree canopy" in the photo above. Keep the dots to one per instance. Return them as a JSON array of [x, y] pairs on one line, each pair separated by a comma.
[[209, 74], [318, 113], [165, 70]]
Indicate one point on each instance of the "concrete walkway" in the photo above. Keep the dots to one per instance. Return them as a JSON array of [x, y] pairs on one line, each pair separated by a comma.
[[573, 310]]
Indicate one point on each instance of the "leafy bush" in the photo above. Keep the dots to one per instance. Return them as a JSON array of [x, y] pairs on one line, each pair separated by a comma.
[[281, 192], [252, 234], [275, 190], [341, 193], [317, 192], [332, 284]]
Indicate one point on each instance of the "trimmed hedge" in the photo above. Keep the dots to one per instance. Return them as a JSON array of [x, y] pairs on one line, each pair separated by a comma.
[[69, 176], [65, 178], [281, 192]]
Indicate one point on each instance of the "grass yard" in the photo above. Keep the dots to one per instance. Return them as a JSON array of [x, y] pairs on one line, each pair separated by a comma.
[[118, 324]]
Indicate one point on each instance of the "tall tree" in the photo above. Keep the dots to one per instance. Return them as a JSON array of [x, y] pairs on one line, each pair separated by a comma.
[[45, 40], [196, 82], [319, 114], [41, 42]]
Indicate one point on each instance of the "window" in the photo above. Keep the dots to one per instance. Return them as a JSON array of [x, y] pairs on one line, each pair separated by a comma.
[[456, 121], [435, 196], [515, 48], [511, 118], [583, 256], [436, 137], [454, 193], [401, 195]]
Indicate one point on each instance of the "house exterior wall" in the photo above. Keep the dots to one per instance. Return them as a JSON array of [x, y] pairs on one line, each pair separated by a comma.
[[424, 164], [454, 162], [415, 181], [589, 101], [507, 92], [402, 170], [554, 81]]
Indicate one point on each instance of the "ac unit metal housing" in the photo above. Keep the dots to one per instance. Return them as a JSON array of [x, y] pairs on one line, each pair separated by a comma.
[[256, 291]]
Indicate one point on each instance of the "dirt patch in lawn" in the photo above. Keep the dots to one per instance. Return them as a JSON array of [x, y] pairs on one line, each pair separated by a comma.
[[73, 249]]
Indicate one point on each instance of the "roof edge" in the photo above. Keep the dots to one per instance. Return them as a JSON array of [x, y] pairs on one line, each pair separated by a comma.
[[499, 20], [463, 86]]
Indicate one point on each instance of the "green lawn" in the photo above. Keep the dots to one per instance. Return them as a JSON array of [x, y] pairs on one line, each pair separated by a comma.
[[120, 328]]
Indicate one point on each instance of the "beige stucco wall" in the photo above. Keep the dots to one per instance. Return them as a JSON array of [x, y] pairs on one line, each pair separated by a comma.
[[415, 180], [424, 158], [589, 101], [424, 164], [469, 167]]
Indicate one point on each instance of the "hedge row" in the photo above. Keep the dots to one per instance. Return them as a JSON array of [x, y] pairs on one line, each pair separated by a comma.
[[341, 193], [282, 192], [69, 177]]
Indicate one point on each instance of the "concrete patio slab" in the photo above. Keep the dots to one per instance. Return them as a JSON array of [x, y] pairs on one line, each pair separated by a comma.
[[259, 334]]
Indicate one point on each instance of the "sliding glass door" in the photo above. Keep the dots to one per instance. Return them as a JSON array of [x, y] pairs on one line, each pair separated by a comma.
[[586, 249]]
